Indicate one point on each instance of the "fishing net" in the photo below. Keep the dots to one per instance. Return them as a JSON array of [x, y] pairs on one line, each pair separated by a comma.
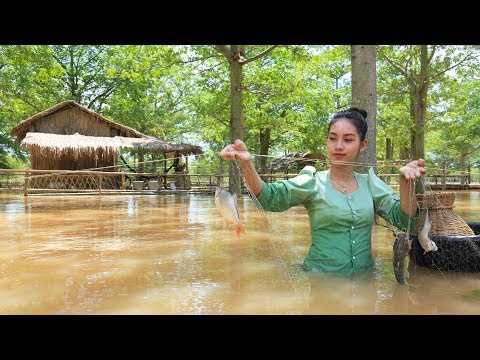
[[458, 242], [284, 232]]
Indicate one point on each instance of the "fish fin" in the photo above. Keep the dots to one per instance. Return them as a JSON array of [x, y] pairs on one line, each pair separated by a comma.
[[240, 229]]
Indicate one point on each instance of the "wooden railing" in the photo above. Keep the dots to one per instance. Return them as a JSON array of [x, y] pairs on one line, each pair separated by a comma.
[[55, 181]]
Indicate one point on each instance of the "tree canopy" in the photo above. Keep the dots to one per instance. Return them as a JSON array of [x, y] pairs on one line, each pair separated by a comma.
[[288, 94]]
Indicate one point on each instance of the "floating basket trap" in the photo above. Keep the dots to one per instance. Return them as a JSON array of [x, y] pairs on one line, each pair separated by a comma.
[[444, 221], [458, 242]]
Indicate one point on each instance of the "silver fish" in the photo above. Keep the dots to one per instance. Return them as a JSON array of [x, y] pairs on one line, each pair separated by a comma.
[[227, 206], [427, 243], [401, 247]]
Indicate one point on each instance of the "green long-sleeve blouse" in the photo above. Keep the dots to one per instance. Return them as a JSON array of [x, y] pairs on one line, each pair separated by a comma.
[[340, 224]]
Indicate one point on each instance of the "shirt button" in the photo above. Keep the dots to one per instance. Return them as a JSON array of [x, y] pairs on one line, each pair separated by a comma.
[[353, 227], [353, 258], [354, 212], [353, 241], [349, 197]]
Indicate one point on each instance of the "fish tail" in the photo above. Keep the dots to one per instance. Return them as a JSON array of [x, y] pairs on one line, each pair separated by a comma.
[[240, 229]]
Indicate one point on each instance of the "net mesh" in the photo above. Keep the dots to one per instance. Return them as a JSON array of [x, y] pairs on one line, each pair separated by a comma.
[[458, 242]]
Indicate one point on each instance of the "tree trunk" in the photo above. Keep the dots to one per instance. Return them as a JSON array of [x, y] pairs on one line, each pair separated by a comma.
[[364, 96], [420, 104], [237, 120], [389, 150], [236, 58]]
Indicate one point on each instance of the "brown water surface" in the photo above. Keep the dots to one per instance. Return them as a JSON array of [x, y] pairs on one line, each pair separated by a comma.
[[174, 254]]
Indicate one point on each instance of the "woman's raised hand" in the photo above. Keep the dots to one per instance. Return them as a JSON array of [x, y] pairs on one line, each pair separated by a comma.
[[413, 170], [238, 150]]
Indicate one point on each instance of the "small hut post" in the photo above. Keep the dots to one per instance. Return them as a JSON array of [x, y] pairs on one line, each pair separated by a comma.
[[26, 183]]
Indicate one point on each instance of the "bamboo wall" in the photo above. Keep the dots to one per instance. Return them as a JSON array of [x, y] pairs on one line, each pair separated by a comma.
[[71, 158]]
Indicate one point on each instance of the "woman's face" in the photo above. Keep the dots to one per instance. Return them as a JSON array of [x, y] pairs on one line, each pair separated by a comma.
[[343, 143]]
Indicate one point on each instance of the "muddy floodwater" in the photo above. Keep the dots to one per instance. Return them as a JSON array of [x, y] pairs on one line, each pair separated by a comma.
[[174, 254]]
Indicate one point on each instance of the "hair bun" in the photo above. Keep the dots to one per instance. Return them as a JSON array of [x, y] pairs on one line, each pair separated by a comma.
[[361, 111]]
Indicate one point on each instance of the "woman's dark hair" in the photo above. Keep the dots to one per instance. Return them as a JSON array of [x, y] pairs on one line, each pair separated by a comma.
[[356, 116]]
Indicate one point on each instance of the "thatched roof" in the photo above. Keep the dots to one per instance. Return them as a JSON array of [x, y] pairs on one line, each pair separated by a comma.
[[82, 142], [25, 126], [153, 144], [296, 160]]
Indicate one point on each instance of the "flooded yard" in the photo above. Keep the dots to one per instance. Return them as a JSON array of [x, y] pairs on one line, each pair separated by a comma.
[[174, 254]]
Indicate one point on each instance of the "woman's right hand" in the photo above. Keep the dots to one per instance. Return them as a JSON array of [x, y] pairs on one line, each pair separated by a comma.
[[237, 150]]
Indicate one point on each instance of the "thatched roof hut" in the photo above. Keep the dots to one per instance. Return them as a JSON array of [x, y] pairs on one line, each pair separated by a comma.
[[295, 161], [69, 136]]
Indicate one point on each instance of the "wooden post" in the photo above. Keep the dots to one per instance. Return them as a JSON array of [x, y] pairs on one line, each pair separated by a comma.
[[100, 184], [25, 184], [164, 170], [123, 181], [188, 181]]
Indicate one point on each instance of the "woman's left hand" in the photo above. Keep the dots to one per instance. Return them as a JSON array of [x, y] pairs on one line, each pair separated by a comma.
[[413, 170]]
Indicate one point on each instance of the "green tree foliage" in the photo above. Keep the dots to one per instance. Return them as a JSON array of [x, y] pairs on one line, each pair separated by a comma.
[[410, 74], [152, 95], [89, 75], [289, 96], [24, 90], [455, 137], [183, 94]]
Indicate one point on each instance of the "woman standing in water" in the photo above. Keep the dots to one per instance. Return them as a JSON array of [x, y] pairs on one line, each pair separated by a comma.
[[341, 202]]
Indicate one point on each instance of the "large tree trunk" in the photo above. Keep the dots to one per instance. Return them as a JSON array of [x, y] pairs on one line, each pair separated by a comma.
[[237, 119], [364, 96], [419, 93], [420, 104], [235, 56]]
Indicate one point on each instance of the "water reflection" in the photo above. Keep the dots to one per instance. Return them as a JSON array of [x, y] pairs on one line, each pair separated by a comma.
[[175, 255]]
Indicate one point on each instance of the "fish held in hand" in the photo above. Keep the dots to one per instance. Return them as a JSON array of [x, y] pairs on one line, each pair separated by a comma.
[[401, 247], [227, 206], [423, 238]]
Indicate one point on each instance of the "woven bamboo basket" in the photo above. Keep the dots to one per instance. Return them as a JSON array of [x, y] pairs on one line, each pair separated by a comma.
[[444, 221]]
